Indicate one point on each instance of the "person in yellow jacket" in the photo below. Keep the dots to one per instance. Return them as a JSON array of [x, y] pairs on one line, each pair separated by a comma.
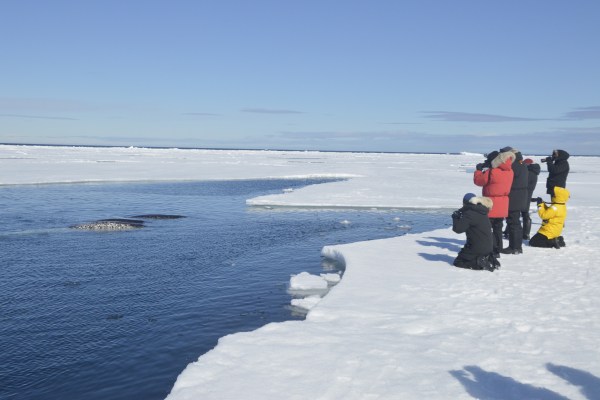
[[553, 217]]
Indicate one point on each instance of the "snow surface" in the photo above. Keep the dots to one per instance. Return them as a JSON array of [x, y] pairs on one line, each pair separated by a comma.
[[402, 323]]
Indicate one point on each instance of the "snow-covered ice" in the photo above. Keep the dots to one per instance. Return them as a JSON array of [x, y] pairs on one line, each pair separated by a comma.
[[306, 303], [331, 278], [306, 281], [402, 323]]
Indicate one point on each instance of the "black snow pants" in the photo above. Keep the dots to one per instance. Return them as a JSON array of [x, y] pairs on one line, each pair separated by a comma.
[[526, 224], [539, 240], [515, 230], [497, 234]]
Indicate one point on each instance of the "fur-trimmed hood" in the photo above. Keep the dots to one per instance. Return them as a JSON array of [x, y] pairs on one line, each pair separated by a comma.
[[502, 157], [484, 201]]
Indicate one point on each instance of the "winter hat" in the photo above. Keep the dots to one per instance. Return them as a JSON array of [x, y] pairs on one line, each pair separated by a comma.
[[490, 156], [505, 149], [528, 161], [468, 197]]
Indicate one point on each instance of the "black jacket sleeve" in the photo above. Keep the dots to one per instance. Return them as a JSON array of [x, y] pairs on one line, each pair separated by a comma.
[[460, 221]]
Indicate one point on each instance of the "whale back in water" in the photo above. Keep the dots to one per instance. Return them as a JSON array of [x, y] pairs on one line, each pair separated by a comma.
[[158, 216], [122, 224], [114, 224]]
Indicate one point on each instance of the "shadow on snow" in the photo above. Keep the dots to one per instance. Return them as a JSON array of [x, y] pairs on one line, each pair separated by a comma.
[[437, 257], [588, 384], [453, 245], [487, 385]]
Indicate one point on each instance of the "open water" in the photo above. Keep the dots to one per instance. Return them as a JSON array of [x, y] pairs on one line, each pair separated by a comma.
[[118, 315]]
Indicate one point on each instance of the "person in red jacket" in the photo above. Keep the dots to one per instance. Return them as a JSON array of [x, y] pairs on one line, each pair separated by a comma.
[[495, 175]]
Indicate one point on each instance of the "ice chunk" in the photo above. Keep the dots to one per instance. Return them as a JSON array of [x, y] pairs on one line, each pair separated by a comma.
[[331, 278], [306, 281], [306, 303]]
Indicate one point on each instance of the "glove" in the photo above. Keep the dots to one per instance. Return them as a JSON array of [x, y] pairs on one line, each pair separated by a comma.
[[539, 201], [549, 159], [456, 215], [479, 167]]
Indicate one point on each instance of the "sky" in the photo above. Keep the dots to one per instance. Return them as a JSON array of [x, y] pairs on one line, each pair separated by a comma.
[[377, 75]]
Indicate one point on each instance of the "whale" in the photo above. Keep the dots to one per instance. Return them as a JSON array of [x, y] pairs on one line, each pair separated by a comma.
[[158, 216], [112, 224]]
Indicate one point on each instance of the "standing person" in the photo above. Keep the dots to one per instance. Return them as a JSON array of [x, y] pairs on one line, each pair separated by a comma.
[[553, 220], [558, 169], [495, 175], [533, 170], [518, 203], [473, 220]]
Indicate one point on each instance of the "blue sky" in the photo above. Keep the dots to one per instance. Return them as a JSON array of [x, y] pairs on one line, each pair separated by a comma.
[[372, 75]]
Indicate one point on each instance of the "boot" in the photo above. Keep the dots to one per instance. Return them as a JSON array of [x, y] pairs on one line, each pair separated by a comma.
[[483, 262], [510, 250], [494, 262], [561, 241]]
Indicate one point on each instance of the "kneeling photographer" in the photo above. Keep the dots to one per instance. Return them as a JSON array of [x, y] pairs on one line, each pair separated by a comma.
[[553, 217]]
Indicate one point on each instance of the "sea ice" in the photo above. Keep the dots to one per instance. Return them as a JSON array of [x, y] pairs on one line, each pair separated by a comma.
[[331, 278], [306, 303], [306, 281]]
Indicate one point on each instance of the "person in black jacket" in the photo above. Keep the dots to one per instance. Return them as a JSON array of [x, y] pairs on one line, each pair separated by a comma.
[[473, 220], [518, 203], [558, 170], [533, 170]]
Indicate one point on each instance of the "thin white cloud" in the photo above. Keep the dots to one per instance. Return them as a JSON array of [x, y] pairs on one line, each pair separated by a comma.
[[27, 105], [575, 140], [270, 111], [37, 117], [583, 113], [402, 123], [329, 135], [201, 114], [452, 116]]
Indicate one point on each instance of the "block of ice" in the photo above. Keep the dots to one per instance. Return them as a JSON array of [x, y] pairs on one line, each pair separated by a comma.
[[306, 281], [306, 303]]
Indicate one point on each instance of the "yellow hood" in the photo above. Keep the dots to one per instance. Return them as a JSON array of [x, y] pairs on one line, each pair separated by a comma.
[[561, 195]]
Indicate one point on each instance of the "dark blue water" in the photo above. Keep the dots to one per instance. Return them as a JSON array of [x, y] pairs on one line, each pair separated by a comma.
[[118, 315]]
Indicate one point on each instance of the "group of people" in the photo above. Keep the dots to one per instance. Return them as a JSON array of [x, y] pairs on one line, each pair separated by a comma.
[[508, 182]]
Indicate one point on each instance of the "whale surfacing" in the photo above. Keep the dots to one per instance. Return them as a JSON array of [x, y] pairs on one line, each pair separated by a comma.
[[114, 224], [158, 216]]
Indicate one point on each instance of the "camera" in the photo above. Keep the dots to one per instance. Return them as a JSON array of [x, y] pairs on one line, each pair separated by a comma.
[[543, 160]]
